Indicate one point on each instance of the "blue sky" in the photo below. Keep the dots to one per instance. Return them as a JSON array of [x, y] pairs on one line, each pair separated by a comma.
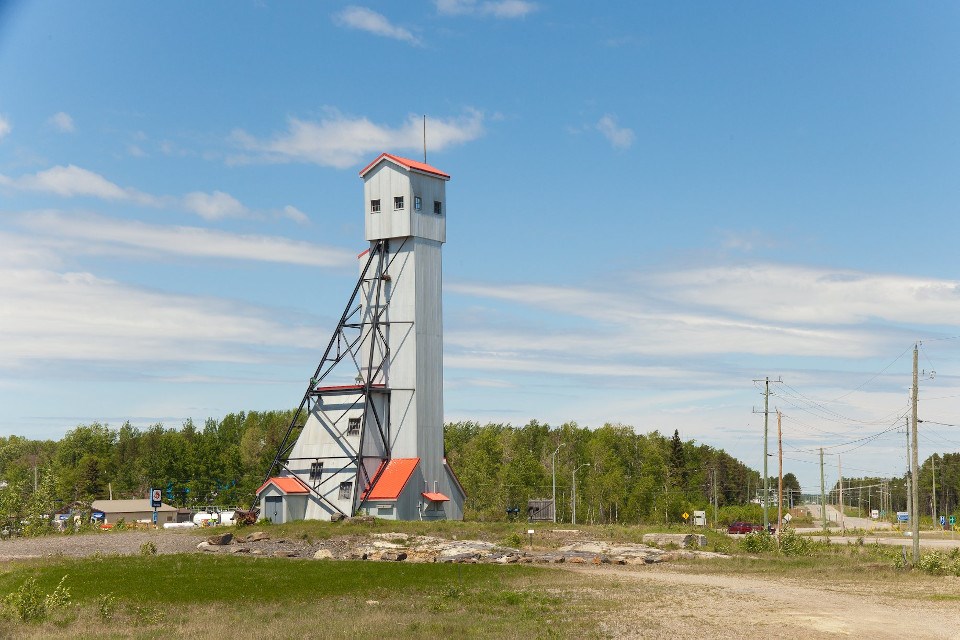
[[651, 206]]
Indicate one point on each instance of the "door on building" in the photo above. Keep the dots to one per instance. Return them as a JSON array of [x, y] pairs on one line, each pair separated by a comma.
[[275, 509]]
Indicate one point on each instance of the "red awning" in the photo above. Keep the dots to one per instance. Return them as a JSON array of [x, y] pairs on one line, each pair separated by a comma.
[[435, 496]]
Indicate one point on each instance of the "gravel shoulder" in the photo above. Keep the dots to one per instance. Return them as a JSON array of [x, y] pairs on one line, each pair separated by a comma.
[[706, 606]]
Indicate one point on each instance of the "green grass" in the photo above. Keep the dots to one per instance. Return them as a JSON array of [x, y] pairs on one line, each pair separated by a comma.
[[160, 596]]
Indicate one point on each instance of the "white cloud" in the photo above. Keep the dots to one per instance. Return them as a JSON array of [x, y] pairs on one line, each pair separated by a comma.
[[370, 21], [63, 122], [214, 206], [495, 8], [292, 213], [5, 126], [79, 316], [341, 141], [99, 235], [619, 137], [72, 181], [810, 295]]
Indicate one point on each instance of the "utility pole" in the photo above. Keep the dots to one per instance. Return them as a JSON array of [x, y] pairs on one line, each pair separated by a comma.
[[780, 477], [906, 425], [933, 469], [916, 466], [823, 495], [766, 476], [840, 472], [555, 483], [573, 500], [716, 503]]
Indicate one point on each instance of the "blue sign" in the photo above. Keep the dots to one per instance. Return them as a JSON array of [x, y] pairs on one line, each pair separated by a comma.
[[155, 498], [154, 517], [903, 516], [943, 520]]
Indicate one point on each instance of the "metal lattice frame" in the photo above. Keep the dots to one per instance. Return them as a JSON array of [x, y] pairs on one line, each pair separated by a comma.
[[358, 340]]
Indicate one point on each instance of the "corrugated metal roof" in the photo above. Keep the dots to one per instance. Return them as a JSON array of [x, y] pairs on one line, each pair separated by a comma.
[[286, 484], [435, 496], [408, 163], [393, 479]]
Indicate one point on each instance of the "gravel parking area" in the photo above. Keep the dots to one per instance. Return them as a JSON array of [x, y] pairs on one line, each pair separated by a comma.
[[106, 543]]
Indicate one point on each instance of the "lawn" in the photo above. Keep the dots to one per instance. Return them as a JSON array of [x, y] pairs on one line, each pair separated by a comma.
[[178, 595]]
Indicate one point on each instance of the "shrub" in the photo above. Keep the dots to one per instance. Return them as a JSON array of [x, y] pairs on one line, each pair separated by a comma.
[[148, 549], [934, 563], [758, 542], [792, 544], [106, 606], [29, 604]]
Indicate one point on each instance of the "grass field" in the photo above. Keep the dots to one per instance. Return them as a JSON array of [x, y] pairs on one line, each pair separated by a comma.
[[181, 595]]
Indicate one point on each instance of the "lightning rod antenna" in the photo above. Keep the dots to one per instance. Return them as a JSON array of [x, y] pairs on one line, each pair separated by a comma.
[[424, 139]]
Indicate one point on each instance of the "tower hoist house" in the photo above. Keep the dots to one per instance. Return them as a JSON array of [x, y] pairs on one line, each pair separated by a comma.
[[371, 439]]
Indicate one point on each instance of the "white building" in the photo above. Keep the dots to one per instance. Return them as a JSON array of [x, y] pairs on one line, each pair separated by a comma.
[[373, 437]]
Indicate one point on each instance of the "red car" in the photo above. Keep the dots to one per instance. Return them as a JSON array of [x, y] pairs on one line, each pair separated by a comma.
[[743, 527]]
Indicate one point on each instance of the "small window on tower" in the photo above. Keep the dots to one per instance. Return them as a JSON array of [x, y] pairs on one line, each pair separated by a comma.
[[375, 206], [346, 490], [398, 202], [417, 203], [353, 426], [316, 469], [437, 207]]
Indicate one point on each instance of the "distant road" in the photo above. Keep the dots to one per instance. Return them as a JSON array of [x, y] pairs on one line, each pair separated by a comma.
[[882, 532]]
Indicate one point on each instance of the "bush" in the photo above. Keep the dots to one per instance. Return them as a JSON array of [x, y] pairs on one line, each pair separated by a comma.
[[29, 604], [758, 542], [148, 549], [792, 544], [106, 606]]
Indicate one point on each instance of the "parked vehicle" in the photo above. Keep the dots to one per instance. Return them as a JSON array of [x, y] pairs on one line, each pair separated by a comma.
[[744, 527]]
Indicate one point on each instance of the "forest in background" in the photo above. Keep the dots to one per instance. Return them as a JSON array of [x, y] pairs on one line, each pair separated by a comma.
[[621, 475]]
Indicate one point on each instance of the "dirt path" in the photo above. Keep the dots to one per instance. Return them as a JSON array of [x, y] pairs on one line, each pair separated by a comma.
[[665, 601]]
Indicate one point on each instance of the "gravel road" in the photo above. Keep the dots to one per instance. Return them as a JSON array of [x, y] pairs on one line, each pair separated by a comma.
[[106, 543]]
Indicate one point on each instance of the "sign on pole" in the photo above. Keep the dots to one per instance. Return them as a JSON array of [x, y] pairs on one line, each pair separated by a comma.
[[155, 498], [903, 516]]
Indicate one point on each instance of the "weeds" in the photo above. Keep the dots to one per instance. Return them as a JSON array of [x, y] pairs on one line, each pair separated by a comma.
[[29, 604]]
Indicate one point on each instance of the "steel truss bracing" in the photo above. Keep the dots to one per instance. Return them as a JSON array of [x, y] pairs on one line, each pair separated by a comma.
[[358, 351]]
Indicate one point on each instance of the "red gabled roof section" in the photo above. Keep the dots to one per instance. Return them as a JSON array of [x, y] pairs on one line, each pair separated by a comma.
[[393, 479], [422, 167], [435, 496], [286, 484]]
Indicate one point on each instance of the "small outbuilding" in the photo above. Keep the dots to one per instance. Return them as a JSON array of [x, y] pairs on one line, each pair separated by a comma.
[[132, 511], [283, 499]]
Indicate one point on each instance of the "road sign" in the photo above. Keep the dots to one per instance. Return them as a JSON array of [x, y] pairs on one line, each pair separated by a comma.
[[787, 518], [155, 498], [953, 519], [903, 516], [685, 515], [943, 521]]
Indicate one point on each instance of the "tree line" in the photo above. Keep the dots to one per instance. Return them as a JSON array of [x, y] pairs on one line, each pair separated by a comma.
[[621, 475]]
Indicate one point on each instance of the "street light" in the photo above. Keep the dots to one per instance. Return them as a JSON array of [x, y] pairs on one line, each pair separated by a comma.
[[555, 482], [573, 500]]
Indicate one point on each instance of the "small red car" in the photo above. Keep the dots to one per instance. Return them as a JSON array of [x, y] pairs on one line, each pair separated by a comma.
[[743, 527]]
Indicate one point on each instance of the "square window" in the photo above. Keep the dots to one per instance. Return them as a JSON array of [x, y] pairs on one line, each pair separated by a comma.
[[398, 203], [353, 426], [417, 203], [437, 207], [316, 469], [375, 206], [346, 490]]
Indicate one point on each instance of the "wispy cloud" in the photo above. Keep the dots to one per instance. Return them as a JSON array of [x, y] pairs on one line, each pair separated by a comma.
[[91, 234], [79, 316], [619, 137], [5, 126], [506, 9], [340, 141], [364, 19], [63, 122], [72, 182]]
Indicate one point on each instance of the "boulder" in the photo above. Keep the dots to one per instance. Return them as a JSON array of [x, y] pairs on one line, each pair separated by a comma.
[[323, 554], [240, 550], [393, 556], [256, 536], [221, 539], [682, 540], [337, 517], [206, 546]]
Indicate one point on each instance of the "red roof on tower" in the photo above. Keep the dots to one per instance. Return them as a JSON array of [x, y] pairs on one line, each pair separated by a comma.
[[393, 479], [413, 165], [286, 484]]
